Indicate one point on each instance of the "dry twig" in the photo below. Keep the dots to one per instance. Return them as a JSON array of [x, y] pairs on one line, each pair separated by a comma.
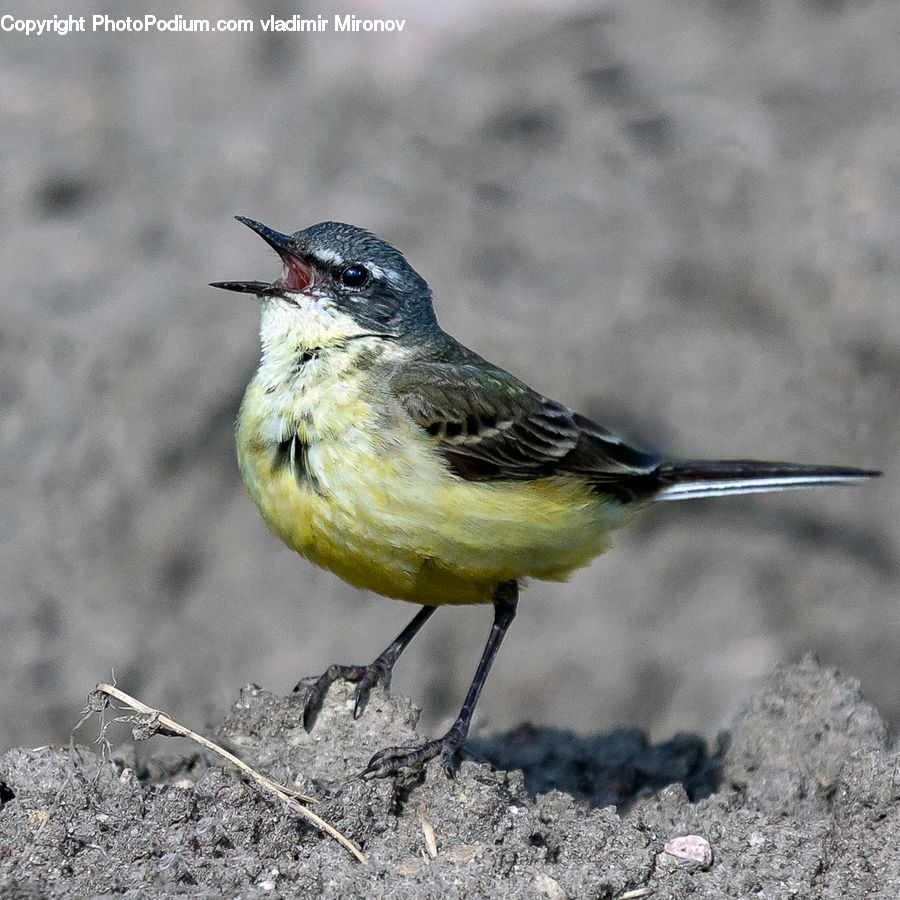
[[153, 721]]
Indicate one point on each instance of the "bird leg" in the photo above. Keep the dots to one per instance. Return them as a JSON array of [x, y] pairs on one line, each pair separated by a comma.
[[365, 677], [391, 759]]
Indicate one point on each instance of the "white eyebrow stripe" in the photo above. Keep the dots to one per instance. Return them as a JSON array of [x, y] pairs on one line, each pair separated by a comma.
[[329, 256], [383, 274]]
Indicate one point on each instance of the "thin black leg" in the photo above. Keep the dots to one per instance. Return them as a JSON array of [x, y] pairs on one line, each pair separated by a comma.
[[390, 760], [365, 677]]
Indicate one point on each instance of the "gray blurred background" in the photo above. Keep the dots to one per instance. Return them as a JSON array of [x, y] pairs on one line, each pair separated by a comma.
[[679, 216]]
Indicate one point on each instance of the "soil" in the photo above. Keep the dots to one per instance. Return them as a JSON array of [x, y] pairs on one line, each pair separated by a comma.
[[800, 799]]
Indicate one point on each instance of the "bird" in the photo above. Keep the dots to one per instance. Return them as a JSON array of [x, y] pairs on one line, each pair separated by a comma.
[[378, 446]]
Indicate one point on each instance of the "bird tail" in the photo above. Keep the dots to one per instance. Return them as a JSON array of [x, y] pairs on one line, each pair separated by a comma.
[[690, 478]]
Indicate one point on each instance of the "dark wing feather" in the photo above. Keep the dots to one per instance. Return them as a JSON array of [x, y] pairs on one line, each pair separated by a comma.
[[489, 426]]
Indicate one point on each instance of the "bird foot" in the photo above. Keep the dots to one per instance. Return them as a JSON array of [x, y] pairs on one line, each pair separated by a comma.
[[391, 760], [365, 678]]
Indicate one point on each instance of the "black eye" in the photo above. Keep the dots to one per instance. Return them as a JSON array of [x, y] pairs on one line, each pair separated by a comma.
[[354, 276]]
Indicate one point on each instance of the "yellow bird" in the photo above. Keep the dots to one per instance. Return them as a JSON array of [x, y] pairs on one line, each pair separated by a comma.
[[379, 447]]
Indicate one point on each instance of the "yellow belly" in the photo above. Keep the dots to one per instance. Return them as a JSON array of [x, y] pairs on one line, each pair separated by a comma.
[[377, 506]]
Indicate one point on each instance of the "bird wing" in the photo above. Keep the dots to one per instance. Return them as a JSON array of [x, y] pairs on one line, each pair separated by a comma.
[[489, 426]]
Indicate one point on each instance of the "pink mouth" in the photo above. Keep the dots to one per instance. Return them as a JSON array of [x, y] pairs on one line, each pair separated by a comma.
[[298, 276]]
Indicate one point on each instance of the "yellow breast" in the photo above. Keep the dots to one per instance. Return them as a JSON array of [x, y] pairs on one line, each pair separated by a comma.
[[356, 487]]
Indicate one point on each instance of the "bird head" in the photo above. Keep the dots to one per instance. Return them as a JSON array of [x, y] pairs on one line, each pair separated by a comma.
[[338, 270]]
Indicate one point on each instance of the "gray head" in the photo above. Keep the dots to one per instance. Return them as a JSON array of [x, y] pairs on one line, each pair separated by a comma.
[[360, 274]]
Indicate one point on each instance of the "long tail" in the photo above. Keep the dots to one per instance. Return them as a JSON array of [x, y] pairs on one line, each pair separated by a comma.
[[720, 477]]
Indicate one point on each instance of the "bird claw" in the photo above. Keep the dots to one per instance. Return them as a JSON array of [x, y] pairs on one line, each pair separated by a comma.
[[391, 760], [373, 676], [365, 678]]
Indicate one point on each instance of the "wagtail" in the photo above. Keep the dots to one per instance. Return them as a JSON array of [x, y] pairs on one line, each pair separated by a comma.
[[379, 447]]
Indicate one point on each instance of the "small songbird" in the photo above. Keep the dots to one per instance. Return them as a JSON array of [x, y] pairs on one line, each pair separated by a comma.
[[379, 447]]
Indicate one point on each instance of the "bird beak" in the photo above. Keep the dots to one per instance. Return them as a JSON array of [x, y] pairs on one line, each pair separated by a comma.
[[297, 276]]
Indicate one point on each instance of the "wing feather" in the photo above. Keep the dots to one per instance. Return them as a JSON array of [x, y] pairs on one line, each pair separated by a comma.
[[489, 426]]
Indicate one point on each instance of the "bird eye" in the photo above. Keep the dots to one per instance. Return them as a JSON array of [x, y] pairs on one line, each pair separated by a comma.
[[354, 276]]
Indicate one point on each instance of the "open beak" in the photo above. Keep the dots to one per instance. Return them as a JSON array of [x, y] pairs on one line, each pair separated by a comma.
[[297, 276]]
